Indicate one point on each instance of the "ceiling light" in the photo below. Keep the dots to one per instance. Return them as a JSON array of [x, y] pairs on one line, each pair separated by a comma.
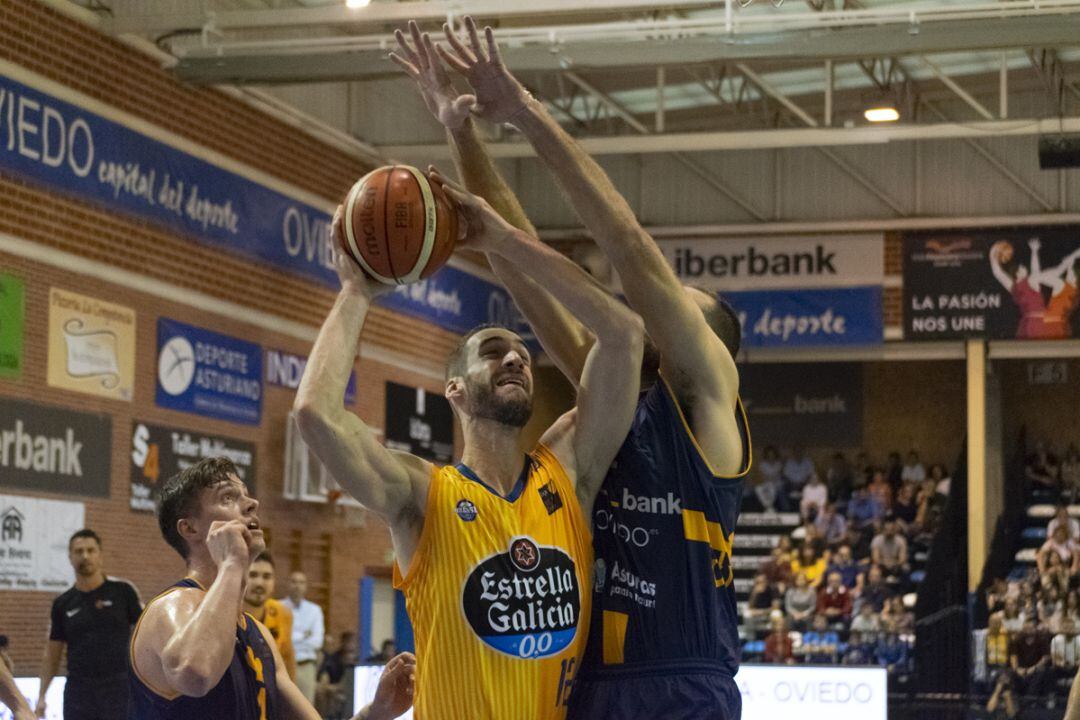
[[357, 3], [884, 113]]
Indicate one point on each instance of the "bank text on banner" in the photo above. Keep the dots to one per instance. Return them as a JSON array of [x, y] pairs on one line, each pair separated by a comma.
[[207, 373], [1019, 284], [815, 404]]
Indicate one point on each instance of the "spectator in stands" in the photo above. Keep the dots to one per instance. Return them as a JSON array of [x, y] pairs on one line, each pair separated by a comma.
[[930, 505], [1047, 607], [768, 480], [834, 600], [812, 537], [1070, 474], [913, 470], [891, 653], [386, 651], [880, 490], [778, 646], [1042, 469], [843, 565], [809, 563], [1061, 517], [1056, 576], [308, 630], [820, 644], [874, 591], [1029, 669], [863, 469], [1069, 610], [1012, 617], [894, 470], [798, 469], [864, 509], [859, 540], [942, 482], [831, 525], [889, 551], [995, 595], [1065, 547], [778, 568], [814, 496], [329, 695], [800, 602], [858, 651], [866, 621], [997, 648], [905, 508], [764, 598], [1065, 647], [840, 478], [895, 618]]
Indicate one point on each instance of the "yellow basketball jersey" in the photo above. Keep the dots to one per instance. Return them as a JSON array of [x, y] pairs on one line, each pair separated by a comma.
[[499, 596]]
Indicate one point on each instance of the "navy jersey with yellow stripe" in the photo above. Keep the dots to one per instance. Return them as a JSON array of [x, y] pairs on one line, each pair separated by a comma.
[[247, 691], [663, 525]]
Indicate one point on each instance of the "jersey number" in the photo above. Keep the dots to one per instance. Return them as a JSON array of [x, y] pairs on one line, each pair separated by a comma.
[[566, 683]]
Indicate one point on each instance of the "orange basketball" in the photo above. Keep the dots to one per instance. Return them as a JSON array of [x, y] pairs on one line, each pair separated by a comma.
[[397, 225]]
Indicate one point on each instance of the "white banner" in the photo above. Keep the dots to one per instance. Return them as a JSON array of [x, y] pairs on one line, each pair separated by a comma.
[[34, 537], [768, 692], [804, 261]]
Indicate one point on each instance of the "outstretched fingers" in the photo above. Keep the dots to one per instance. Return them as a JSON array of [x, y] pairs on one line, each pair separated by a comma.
[[474, 39], [418, 43], [410, 69], [493, 48], [462, 59]]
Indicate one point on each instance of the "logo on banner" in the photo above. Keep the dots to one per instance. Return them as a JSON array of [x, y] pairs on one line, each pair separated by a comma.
[[91, 345], [12, 302], [207, 373], [524, 602], [11, 526]]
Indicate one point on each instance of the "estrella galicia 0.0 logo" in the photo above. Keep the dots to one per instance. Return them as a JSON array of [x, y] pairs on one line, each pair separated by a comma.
[[466, 510], [524, 602]]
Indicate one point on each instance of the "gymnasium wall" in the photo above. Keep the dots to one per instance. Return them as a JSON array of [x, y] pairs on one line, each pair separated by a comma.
[[1049, 410], [67, 233]]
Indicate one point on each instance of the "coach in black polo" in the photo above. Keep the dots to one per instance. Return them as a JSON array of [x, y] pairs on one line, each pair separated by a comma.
[[94, 619]]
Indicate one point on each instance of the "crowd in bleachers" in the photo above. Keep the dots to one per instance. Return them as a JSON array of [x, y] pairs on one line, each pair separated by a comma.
[[1031, 647], [840, 588]]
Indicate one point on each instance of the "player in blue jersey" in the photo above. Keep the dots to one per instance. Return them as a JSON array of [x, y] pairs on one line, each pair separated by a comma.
[[664, 635], [194, 654]]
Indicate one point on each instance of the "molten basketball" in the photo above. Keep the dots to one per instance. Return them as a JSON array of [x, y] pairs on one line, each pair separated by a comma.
[[398, 226], [1003, 250]]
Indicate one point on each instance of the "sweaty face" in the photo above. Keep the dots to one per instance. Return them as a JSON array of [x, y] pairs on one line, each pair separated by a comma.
[[85, 557], [260, 584], [498, 383], [229, 500]]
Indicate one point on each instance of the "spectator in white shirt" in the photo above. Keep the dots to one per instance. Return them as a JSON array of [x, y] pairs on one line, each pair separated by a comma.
[[307, 634], [913, 469], [1061, 517], [1065, 646], [798, 469], [866, 621], [1066, 548], [814, 497]]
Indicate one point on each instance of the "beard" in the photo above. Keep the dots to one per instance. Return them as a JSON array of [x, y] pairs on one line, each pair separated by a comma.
[[485, 403]]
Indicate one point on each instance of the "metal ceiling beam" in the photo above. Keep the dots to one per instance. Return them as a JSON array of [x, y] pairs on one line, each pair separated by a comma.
[[392, 13], [775, 94], [762, 139], [957, 90], [307, 61]]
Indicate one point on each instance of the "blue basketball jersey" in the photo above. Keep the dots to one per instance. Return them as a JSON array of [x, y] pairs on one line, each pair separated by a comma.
[[247, 691], [663, 525]]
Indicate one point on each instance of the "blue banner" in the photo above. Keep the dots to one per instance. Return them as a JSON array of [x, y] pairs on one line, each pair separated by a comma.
[[204, 372], [70, 150], [457, 301], [794, 318], [286, 370]]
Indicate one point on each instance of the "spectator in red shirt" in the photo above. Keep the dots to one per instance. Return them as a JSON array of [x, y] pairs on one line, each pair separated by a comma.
[[834, 600], [778, 647]]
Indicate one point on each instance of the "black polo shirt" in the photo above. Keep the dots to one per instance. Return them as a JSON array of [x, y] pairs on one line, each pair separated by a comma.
[[96, 626]]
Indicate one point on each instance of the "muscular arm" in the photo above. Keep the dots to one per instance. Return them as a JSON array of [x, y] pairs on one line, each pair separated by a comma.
[[392, 485], [50, 665], [564, 339]]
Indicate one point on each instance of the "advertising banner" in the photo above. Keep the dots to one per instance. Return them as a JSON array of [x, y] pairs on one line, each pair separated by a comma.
[[813, 404], [12, 310], [1017, 284], [34, 537], [46, 448], [419, 422], [768, 692], [286, 370], [207, 373], [91, 345], [810, 261], [158, 453], [795, 318]]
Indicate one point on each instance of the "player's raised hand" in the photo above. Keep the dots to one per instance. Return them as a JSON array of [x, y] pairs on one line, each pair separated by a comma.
[[229, 541], [397, 685], [352, 277], [421, 62], [485, 229], [499, 96]]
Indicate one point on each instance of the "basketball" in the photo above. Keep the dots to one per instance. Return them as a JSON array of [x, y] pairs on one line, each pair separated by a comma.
[[398, 226], [1003, 250]]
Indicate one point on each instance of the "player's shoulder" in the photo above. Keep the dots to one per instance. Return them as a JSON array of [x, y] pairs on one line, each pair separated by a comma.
[[65, 597]]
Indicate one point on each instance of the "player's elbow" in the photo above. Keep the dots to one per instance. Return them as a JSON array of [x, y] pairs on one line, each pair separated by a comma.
[[624, 332], [192, 675], [312, 419]]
